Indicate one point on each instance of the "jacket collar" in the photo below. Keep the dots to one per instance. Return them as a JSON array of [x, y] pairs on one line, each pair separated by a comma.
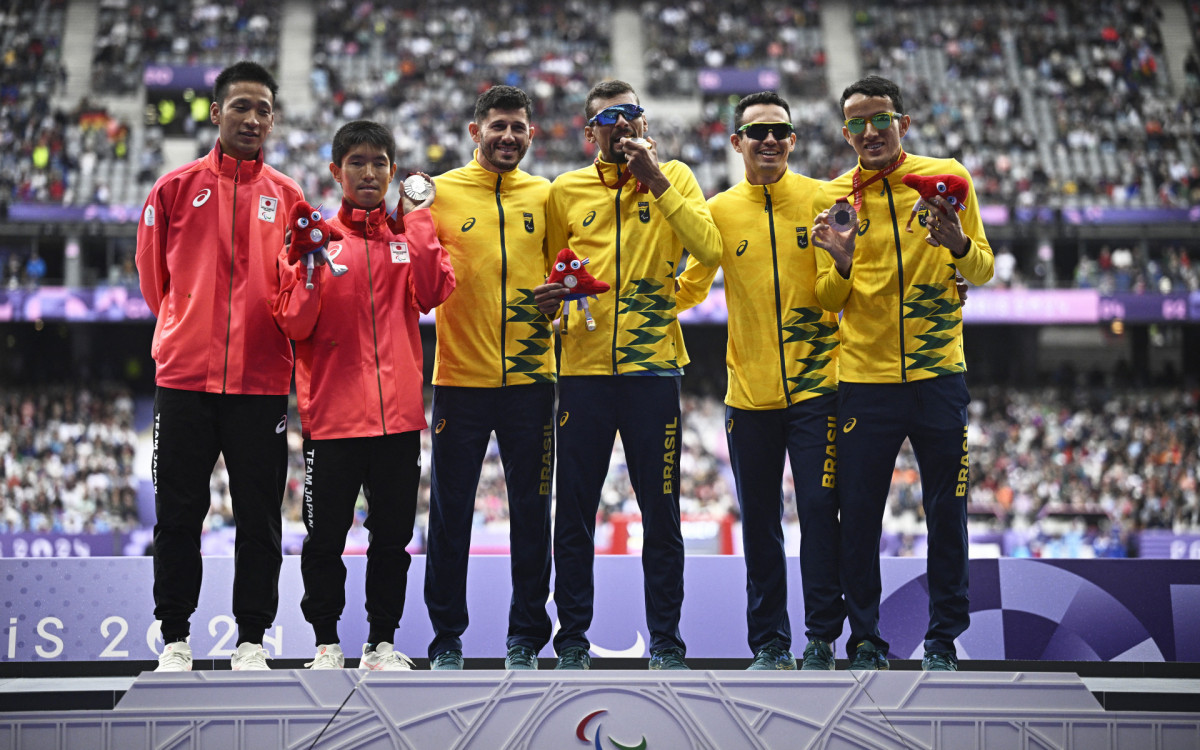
[[229, 166], [355, 218], [477, 172]]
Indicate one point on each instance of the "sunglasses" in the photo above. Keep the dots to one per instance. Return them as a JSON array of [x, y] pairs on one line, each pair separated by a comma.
[[881, 121], [760, 130], [609, 115]]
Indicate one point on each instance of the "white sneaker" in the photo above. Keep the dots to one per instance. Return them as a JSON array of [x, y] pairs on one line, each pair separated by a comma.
[[329, 656], [176, 657], [249, 657], [384, 659]]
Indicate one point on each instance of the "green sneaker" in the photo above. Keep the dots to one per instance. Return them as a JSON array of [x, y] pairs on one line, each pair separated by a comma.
[[574, 657], [939, 661], [668, 658], [868, 657], [817, 656], [521, 657], [773, 657], [447, 660]]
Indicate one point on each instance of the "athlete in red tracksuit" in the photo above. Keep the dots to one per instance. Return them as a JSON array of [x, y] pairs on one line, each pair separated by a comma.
[[359, 384], [207, 245]]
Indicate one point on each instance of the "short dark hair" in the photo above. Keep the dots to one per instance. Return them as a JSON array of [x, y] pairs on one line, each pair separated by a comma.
[[606, 90], [244, 70], [873, 86], [503, 98], [358, 132], [762, 97]]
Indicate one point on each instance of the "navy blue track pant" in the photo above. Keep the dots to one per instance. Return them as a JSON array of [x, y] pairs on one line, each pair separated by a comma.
[[388, 469], [758, 442], [874, 419], [522, 416], [190, 430], [591, 411]]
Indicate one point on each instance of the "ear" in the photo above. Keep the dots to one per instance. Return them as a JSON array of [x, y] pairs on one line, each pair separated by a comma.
[[214, 113], [905, 120], [391, 172], [846, 135], [588, 134], [476, 134], [336, 170], [735, 140]]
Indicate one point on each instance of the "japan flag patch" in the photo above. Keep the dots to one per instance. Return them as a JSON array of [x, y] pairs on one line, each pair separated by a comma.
[[267, 207], [399, 252]]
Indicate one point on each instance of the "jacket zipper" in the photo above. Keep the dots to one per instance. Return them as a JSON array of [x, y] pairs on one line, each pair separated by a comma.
[[887, 186], [617, 289], [503, 286], [787, 395], [232, 265], [374, 323]]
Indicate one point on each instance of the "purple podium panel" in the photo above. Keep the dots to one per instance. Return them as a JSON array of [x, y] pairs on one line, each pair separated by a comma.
[[610, 709], [101, 608]]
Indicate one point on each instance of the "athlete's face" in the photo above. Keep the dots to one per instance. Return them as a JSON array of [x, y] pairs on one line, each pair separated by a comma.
[[766, 159], [364, 174], [608, 137], [876, 148], [244, 119], [503, 138]]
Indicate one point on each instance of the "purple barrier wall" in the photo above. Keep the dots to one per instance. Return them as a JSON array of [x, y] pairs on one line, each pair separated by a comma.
[[1077, 610]]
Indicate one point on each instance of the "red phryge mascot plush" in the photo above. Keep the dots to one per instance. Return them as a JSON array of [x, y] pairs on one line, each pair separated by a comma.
[[310, 235], [570, 272], [950, 186]]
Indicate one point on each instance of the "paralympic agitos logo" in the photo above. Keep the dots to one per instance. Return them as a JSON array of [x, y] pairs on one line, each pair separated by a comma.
[[581, 733]]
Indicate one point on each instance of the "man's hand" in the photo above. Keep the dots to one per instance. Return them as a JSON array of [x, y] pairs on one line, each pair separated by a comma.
[[944, 226], [548, 298], [839, 245], [642, 160], [408, 205], [961, 285]]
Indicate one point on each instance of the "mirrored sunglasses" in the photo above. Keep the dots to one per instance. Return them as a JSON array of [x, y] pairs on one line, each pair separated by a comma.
[[881, 121], [609, 115]]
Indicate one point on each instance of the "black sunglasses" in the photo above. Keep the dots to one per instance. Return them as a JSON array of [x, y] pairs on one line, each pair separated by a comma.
[[760, 130]]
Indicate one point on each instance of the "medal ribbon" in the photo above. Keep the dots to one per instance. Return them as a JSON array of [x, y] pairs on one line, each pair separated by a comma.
[[624, 178], [858, 190]]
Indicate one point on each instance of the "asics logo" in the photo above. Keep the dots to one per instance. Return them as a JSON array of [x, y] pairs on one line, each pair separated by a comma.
[[729, 425], [441, 425], [562, 419], [201, 197], [282, 425], [741, 248], [849, 425]]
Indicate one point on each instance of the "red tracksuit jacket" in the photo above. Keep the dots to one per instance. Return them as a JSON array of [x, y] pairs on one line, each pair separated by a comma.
[[207, 246], [358, 346]]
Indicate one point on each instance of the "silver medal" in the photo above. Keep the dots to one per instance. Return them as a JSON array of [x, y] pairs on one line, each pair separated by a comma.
[[417, 187], [843, 216]]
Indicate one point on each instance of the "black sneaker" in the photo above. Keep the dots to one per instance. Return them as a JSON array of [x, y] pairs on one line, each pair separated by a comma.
[[939, 661], [574, 657], [817, 656], [668, 658], [447, 660], [868, 657], [773, 657], [521, 657]]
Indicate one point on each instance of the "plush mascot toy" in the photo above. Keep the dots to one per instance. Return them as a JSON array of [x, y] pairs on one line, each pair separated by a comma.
[[950, 186], [570, 272], [310, 235]]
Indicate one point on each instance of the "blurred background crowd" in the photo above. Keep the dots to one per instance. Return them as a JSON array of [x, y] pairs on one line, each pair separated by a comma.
[[1053, 105]]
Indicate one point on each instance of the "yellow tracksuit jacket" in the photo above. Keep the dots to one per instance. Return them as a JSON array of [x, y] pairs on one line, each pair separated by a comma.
[[782, 346], [634, 242], [901, 313], [489, 332]]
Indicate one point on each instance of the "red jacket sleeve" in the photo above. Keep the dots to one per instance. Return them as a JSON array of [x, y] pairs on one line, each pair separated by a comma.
[[297, 308], [432, 277], [153, 276]]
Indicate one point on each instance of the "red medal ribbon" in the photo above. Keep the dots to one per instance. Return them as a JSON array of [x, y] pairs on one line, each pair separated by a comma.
[[857, 192], [624, 178]]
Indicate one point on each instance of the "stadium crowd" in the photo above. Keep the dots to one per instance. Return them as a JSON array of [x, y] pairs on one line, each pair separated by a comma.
[[1112, 461], [1049, 105]]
